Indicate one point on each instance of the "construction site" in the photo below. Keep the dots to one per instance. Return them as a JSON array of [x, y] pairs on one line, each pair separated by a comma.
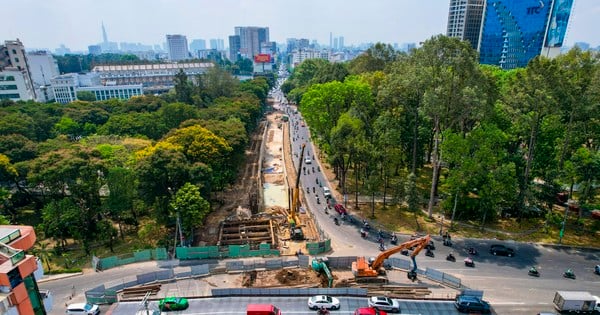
[[257, 210]]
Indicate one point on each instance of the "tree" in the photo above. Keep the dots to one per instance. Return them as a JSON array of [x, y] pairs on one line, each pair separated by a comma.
[[412, 197], [120, 201], [376, 58], [189, 206], [86, 96], [183, 88]]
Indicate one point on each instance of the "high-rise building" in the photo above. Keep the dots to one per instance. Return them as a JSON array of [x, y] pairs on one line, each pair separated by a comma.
[[296, 44], [197, 44], [104, 36], [510, 33], [251, 38], [217, 43], [341, 42], [43, 67], [15, 74], [464, 20], [94, 49], [177, 47], [234, 47]]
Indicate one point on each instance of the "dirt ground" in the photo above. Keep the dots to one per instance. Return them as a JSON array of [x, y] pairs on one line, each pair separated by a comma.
[[298, 277]]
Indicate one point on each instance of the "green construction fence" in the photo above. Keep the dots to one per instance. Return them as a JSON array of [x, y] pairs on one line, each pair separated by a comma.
[[138, 256]]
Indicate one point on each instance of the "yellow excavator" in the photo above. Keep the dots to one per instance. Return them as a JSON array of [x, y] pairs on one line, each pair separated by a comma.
[[293, 218], [373, 272]]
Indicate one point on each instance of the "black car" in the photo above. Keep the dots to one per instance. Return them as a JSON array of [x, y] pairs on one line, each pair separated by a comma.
[[469, 304], [501, 250]]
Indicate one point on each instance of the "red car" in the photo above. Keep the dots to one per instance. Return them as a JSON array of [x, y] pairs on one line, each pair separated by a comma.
[[340, 209]]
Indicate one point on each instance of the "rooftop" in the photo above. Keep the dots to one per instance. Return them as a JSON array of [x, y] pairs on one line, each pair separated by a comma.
[[157, 66]]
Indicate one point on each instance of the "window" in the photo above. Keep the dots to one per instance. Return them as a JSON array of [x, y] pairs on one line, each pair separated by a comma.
[[8, 87], [7, 78], [9, 96]]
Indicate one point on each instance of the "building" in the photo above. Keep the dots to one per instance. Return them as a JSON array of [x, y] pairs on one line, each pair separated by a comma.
[[234, 47], [197, 44], [177, 46], [65, 88], [154, 78], [210, 54], [296, 44], [19, 293], [300, 55], [251, 38], [464, 20], [217, 43], [15, 76], [94, 49], [43, 67], [510, 33]]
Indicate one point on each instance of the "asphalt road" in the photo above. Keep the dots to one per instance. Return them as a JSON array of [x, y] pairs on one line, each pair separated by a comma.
[[503, 279], [288, 305]]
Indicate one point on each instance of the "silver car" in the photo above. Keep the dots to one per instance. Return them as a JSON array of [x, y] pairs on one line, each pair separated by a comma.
[[384, 303], [318, 301]]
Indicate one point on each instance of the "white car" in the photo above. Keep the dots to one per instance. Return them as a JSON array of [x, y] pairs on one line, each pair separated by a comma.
[[307, 161], [384, 303], [318, 301], [83, 309]]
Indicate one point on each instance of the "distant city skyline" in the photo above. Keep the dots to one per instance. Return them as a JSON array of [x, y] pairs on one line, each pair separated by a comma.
[[77, 24]]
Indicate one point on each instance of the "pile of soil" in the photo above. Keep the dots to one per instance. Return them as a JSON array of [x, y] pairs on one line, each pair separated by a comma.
[[282, 278]]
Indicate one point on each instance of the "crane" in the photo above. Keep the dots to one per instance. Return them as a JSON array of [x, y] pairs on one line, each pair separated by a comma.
[[293, 218], [365, 272]]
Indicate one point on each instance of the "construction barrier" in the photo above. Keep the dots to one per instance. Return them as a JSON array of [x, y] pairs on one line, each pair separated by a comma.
[[138, 256], [220, 252], [318, 247]]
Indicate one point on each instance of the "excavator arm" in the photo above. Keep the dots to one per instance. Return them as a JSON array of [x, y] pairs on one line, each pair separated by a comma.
[[420, 243]]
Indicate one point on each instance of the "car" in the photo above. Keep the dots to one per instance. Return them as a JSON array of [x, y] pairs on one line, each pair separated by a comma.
[[384, 303], [307, 161], [326, 192], [339, 208], [173, 304], [469, 304], [318, 301], [368, 311], [501, 250], [597, 269], [83, 308]]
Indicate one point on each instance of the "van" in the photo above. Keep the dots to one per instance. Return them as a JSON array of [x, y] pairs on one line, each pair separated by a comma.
[[262, 309], [326, 192]]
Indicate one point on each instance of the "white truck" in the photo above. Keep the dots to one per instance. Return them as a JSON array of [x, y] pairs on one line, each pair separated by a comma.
[[575, 301]]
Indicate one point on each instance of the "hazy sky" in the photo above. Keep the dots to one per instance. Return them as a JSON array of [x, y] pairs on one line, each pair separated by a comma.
[[76, 23]]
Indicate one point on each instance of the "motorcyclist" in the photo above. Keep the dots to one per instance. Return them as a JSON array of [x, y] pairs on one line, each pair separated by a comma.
[[472, 251], [381, 247], [335, 220], [323, 311], [451, 256], [533, 270], [569, 273]]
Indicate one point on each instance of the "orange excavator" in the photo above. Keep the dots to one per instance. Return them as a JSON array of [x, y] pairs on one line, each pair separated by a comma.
[[372, 272]]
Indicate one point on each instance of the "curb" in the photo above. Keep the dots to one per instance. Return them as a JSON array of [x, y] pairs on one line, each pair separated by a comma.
[[58, 277]]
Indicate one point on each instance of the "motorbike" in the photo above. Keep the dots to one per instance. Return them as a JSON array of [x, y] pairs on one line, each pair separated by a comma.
[[429, 253], [394, 240], [472, 251], [308, 190], [364, 233], [451, 258], [381, 247], [533, 272], [336, 221], [447, 242], [318, 201], [313, 189], [469, 262], [404, 252], [569, 274], [323, 311]]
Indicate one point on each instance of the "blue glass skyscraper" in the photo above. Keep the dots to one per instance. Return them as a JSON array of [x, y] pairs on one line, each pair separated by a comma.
[[512, 32]]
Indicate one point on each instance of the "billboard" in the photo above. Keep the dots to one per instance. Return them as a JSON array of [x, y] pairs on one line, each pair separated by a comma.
[[262, 58], [557, 26]]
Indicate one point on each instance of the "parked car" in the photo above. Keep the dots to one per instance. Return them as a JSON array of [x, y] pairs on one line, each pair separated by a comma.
[[368, 311], [501, 250], [384, 303], [318, 301], [173, 304], [83, 309], [468, 304]]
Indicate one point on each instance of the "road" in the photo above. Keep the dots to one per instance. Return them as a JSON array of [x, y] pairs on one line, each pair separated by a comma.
[[289, 305], [503, 279]]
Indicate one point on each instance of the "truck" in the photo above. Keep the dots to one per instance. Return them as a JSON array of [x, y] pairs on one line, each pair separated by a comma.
[[262, 309], [575, 301]]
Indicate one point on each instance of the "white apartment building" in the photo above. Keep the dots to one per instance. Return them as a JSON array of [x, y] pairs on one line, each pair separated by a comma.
[[178, 47], [15, 85], [42, 67], [298, 56]]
